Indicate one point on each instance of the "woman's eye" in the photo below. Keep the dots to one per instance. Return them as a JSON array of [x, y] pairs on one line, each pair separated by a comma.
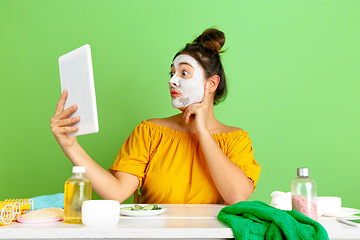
[[185, 73], [172, 74]]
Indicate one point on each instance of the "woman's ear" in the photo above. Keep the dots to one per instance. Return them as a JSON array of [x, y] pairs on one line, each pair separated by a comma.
[[212, 83]]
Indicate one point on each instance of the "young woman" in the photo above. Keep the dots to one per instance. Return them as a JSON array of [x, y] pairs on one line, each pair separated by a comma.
[[187, 158]]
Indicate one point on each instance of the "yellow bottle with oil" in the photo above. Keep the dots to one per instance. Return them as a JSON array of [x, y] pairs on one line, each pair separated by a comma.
[[77, 190]]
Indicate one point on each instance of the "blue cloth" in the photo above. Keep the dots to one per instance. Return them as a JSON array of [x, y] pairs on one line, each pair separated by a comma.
[[47, 201], [255, 220]]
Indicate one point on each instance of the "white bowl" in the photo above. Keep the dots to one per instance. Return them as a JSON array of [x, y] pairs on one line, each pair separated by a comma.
[[327, 205], [100, 213]]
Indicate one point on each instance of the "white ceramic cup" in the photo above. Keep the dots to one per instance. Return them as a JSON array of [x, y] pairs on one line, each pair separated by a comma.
[[100, 213], [329, 204], [281, 200]]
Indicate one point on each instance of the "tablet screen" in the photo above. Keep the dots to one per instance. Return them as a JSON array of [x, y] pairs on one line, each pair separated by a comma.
[[76, 76]]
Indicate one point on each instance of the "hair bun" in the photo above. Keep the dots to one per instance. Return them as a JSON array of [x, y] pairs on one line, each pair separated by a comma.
[[212, 39]]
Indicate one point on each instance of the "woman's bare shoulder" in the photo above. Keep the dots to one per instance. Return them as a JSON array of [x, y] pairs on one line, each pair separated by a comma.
[[227, 129], [158, 121], [234, 129], [175, 122], [166, 122]]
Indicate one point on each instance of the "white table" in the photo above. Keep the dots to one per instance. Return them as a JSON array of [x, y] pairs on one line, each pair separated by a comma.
[[182, 221]]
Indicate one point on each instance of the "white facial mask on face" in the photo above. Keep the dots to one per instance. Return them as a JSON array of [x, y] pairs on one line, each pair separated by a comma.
[[192, 89]]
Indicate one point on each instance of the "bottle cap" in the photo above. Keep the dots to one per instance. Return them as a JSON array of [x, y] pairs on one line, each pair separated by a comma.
[[303, 172], [78, 169]]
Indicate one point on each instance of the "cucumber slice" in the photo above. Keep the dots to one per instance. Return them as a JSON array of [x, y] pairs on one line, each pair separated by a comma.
[[140, 208], [157, 207], [150, 207], [126, 208], [137, 207]]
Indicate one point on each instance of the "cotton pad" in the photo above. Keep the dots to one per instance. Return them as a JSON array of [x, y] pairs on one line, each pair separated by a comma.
[[44, 215]]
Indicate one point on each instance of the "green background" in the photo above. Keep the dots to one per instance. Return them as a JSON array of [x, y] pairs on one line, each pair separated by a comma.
[[293, 69]]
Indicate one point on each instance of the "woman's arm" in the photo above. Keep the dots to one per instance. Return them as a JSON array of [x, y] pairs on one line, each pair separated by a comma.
[[231, 182], [118, 186]]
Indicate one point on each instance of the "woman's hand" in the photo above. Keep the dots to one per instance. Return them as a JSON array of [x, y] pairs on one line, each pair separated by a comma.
[[60, 123], [198, 113]]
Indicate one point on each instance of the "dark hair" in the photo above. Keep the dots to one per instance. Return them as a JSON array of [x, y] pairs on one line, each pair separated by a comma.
[[206, 49]]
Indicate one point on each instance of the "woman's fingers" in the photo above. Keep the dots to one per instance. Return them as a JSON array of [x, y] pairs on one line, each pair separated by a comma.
[[68, 121], [60, 113], [199, 108], [60, 120], [64, 114], [67, 112], [190, 111], [58, 131], [61, 103], [207, 99], [69, 129], [60, 127], [62, 123]]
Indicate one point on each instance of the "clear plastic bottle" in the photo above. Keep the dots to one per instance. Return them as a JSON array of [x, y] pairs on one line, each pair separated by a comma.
[[303, 194], [77, 190]]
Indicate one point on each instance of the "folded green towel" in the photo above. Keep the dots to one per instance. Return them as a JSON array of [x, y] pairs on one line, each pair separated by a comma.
[[258, 220]]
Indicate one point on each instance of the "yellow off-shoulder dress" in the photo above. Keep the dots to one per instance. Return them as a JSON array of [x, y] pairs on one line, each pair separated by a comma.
[[171, 167]]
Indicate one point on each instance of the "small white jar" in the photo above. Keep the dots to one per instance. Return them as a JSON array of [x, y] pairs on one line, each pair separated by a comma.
[[329, 204], [100, 213]]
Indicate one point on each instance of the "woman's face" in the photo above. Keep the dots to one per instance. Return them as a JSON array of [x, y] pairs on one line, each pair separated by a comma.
[[187, 82]]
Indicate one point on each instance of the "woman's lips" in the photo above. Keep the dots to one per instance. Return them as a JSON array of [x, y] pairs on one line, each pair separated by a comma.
[[174, 93]]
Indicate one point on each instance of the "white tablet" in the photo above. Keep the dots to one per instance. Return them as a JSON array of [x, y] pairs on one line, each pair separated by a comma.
[[76, 76]]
